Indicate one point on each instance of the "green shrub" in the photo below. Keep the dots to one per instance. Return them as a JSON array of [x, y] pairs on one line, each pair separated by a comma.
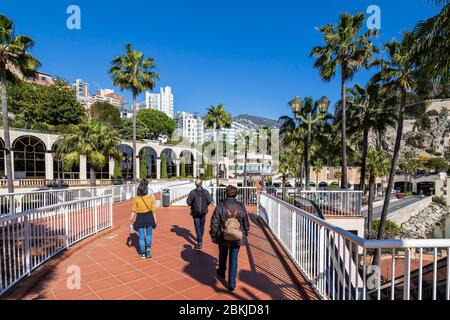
[[391, 229], [440, 201]]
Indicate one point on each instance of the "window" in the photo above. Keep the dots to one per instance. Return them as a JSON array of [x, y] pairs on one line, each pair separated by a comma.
[[29, 158]]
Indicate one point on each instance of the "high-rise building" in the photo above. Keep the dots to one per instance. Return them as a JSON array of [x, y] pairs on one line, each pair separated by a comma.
[[82, 91], [230, 134], [109, 96], [190, 126], [162, 101]]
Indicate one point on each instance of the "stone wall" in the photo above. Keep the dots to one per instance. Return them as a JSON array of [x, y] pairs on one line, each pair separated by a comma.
[[419, 226]]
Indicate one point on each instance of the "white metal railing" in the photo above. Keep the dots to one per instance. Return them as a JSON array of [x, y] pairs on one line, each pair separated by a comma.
[[339, 264], [30, 238], [247, 196], [24, 201], [330, 202]]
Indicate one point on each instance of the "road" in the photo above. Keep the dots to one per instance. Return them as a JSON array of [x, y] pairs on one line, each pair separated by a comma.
[[394, 206]]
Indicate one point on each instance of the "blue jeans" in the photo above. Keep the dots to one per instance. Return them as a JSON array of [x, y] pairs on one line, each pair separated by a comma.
[[199, 224], [145, 239], [233, 251]]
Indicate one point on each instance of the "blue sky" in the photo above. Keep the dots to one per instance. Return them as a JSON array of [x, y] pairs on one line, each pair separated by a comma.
[[250, 55]]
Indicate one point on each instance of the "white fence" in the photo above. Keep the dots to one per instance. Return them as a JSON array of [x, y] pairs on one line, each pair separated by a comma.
[[338, 263], [179, 195], [24, 201], [330, 202], [30, 238]]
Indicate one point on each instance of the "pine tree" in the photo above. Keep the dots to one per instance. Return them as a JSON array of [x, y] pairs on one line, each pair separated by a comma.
[[143, 169], [183, 169], [164, 167]]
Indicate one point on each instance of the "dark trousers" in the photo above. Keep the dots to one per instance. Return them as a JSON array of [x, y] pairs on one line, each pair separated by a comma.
[[199, 223], [233, 252]]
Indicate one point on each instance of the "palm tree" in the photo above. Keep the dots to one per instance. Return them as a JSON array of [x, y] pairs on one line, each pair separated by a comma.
[[377, 166], [14, 55], [318, 167], [432, 39], [132, 71], [369, 110], [217, 118], [99, 143], [397, 75], [344, 48]]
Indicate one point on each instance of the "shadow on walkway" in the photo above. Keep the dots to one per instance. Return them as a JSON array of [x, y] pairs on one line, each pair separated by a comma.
[[184, 233], [133, 241]]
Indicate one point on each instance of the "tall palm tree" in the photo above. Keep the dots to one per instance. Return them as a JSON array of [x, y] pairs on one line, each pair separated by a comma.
[[132, 71], [432, 39], [318, 167], [344, 48], [14, 55], [397, 75], [99, 143], [369, 110], [217, 118], [377, 166]]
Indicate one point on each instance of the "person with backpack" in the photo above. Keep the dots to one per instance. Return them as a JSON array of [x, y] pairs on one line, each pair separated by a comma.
[[143, 220], [199, 201], [229, 229]]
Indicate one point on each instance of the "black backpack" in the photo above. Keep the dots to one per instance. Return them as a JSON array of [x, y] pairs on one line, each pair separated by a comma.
[[199, 207]]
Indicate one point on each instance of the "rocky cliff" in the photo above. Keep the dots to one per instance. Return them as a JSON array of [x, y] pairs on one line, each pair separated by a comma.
[[419, 226]]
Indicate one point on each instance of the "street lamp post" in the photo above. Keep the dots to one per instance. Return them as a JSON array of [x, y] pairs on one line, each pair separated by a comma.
[[296, 105]]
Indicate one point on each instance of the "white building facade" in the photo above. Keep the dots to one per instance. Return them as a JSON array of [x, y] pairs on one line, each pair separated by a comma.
[[82, 91], [162, 101], [190, 126]]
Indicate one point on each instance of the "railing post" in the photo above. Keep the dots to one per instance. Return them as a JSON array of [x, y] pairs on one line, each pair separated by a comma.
[[66, 226], [278, 220], [294, 235], [321, 262], [111, 200], [407, 275], [27, 240], [96, 215]]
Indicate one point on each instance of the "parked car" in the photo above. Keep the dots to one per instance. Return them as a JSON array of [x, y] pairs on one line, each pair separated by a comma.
[[400, 196]]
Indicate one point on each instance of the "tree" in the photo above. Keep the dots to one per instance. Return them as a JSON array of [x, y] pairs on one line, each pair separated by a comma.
[[132, 71], [397, 75], [155, 124], [117, 169], [143, 165], [14, 53], [344, 47], [46, 108], [183, 168], [106, 113], [217, 118], [432, 39], [318, 167], [377, 166], [91, 139], [164, 175], [408, 167], [369, 110], [438, 165]]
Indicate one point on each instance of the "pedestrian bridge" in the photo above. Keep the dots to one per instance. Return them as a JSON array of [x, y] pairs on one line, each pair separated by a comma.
[[82, 249]]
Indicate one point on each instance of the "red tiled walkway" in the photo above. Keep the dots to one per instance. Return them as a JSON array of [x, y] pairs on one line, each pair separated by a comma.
[[111, 269]]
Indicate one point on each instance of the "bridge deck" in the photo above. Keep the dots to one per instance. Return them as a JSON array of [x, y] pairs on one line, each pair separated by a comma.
[[111, 269]]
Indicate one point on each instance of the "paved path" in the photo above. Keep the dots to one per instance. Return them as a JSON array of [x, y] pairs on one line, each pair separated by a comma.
[[397, 205], [111, 269]]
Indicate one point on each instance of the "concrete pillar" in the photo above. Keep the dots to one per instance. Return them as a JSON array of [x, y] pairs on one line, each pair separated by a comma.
[[158, 168], [194, 169], [137, 168], [83, 168], [112, 163], [177, 166], [12, 165], [48, 166]]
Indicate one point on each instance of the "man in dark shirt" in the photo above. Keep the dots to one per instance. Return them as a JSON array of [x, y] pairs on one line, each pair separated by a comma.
[[199, 201]]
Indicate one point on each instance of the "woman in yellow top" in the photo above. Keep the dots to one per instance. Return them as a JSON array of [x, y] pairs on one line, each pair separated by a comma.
[[144, 219]]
